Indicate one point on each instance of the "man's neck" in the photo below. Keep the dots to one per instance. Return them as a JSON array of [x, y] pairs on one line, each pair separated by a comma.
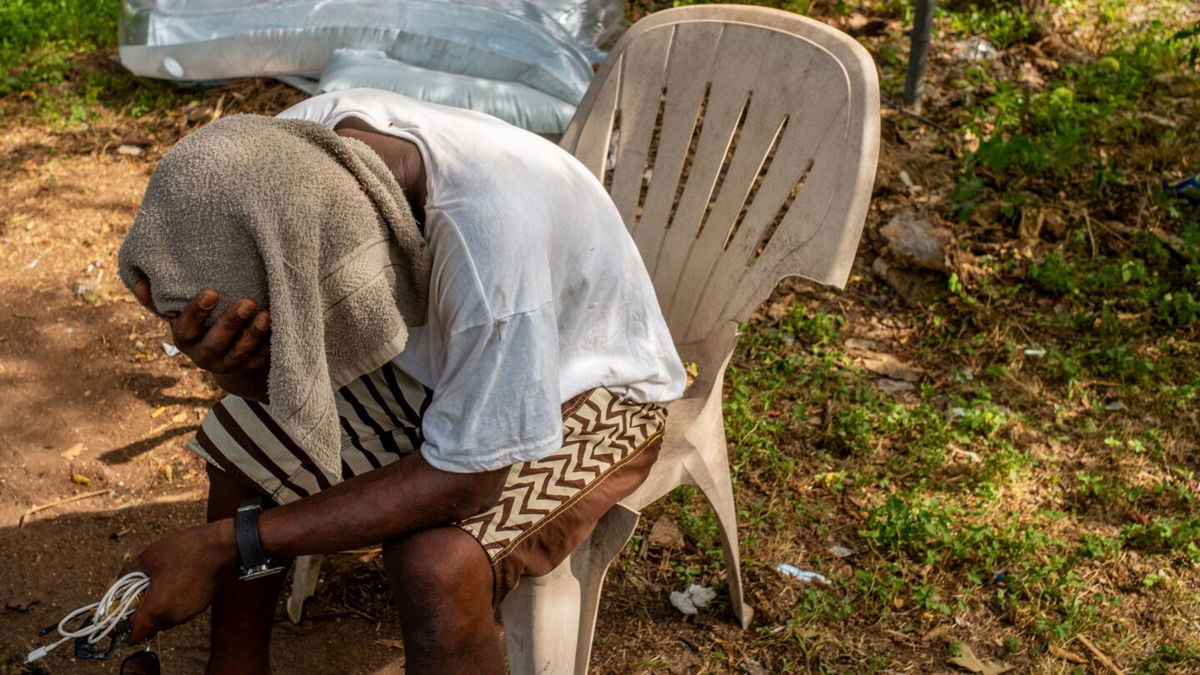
[[401, 156]]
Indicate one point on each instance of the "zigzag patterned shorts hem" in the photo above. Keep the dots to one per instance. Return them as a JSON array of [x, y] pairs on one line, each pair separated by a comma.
[[547, 508]]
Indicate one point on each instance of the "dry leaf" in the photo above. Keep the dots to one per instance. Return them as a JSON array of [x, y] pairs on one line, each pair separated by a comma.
[[938, 632], [968, 661], [73, 451], [886, 364], [169, 473], [80, 479]]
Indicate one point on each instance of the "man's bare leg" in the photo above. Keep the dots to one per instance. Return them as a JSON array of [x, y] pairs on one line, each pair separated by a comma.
[[442, 581], [242, 611]]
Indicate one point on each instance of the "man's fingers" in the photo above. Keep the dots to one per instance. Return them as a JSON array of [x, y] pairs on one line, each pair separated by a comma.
[[249, 341], [221, 336], [188, 327], [260, 359]]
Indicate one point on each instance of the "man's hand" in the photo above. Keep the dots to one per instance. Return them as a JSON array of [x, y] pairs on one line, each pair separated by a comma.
[[184, 569], [236, 348]]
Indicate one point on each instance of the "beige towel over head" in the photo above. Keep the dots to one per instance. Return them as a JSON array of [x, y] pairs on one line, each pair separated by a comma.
[[311, 225]]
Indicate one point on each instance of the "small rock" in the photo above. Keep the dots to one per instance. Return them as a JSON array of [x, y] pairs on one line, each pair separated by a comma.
[[129, 150], [863, 344], [916, 289], [917, 240], [892, 387], [664, 533]]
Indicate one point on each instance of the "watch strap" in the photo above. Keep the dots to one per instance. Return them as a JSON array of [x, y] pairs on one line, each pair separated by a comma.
[[253, 561]]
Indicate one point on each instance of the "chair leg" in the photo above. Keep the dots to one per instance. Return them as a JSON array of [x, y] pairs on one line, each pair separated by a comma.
[[714, 481], [541, 619], [304, 583], [549, 620], [590, 562]]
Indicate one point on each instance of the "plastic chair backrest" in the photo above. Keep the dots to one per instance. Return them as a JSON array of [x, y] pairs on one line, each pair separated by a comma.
[[739, 144]]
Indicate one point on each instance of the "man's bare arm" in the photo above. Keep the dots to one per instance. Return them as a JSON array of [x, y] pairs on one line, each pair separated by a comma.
[[406, 496]]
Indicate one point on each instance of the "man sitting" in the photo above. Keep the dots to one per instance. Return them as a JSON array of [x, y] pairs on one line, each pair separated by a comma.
[[436, 334]]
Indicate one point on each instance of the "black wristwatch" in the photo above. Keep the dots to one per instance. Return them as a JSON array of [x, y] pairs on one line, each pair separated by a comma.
[[254, 561]]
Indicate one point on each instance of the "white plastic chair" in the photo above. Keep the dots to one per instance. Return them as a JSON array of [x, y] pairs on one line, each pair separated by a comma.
[[739, 144]]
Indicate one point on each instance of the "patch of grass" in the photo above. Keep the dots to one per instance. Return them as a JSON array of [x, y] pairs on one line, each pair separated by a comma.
[[1165, 535], [59, 54]]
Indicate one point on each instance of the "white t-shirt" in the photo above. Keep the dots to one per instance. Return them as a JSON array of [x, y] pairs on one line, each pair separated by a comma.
[[537, 294]]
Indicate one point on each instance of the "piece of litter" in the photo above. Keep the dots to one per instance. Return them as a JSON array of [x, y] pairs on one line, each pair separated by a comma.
[[1035, 352], [129, 150], [170, 349], [80, 479], [841, 551], [158, 411], [974, 49], [806, 576], [956, 412], [997, 578], [683, 603], [694, 598], [1113, 406]]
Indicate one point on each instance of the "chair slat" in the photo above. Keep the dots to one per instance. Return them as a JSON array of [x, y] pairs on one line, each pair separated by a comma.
[[639, 103], [730, 94], [813, 122], [688, 259], [687, 98], [592, 137], [782, 86]]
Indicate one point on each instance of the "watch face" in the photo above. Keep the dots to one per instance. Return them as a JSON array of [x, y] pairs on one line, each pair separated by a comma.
[[263, 570]]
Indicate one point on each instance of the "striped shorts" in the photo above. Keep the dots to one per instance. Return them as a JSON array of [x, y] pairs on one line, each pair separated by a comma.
[[547, 507]]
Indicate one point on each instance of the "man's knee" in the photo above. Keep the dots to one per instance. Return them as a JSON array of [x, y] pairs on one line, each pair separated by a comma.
[[438, 566]]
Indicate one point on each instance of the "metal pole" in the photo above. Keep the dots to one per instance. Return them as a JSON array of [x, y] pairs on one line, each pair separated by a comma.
[[919, 40]]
